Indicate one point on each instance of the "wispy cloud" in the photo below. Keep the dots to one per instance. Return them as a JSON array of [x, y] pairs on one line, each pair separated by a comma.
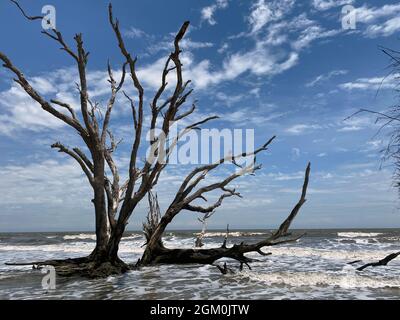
[[374, 83], [263, 12], [323, 5], [325, 77], [133, 33], [207, 13], [312, 33], [380, 21], [356, 124], [298, 129]]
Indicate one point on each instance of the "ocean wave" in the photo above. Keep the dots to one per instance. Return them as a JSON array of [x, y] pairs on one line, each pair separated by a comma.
[[231, 234], [344, 279], [358, 234], [330, 254], [81, 236], [358, 241], [74, 247], [90, 236]]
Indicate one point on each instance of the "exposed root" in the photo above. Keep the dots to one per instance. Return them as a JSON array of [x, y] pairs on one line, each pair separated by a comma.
[[224, 269], [84, 267]]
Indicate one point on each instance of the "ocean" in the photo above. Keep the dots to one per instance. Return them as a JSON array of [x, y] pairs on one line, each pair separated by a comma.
[[315, 267]]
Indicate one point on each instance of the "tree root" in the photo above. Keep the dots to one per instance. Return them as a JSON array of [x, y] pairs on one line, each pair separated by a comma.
[[84, 267]]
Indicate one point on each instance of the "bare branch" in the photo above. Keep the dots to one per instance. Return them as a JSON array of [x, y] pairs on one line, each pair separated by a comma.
[[24, 14], [282, 231], [67, 106], [138, 131], [114, 90], [23, 82], [71, 153]]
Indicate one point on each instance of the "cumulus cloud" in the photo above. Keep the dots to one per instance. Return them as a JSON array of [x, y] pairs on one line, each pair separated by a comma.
[[258, 61], [19, 111]]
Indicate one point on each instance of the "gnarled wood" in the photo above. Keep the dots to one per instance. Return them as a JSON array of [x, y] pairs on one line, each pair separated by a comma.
[[382, 262], [156, 253]]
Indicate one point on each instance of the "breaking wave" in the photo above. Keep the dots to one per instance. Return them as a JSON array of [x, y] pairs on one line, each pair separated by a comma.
[[358, 234]]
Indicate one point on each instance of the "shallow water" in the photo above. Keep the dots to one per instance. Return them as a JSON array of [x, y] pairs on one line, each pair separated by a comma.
[[315, 267]]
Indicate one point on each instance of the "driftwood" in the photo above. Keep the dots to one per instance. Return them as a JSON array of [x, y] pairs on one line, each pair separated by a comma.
[[354, 262], [199, 239], [382, 262], [157, 253]]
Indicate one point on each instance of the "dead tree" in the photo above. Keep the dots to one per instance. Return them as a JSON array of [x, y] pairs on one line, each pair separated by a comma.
[[389, 120], [199, 239], [114, 200], [153, 217], [157, 253]]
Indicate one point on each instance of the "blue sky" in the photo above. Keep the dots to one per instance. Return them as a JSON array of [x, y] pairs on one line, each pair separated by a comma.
[[278, 67]]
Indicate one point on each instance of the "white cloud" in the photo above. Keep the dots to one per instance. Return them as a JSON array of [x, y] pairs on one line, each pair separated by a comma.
[[263, 12], [228, 100], [302, 128], [167, 45], [258, 61], [380, 21], [287, 176], [49, 182], [323, 5], [19, 111], [312, 33], [356, 123], [133, 33], [207, 13], [189, 44], [366, 14], [374, 83], [385, 29], [223, 48], [326, 77]]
